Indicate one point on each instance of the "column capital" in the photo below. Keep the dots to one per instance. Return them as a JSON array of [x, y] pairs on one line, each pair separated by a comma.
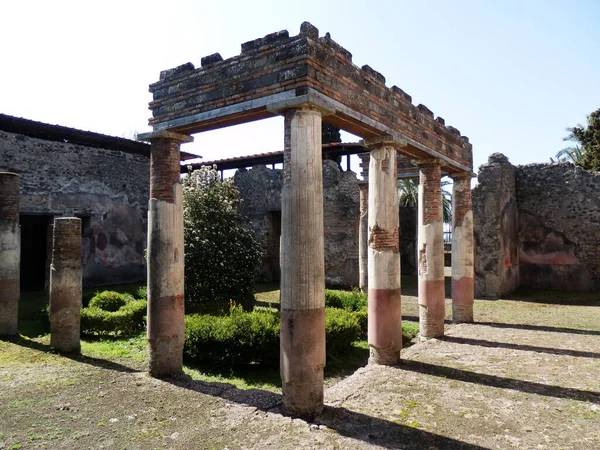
[[384, 141], [164, 134], [462, 176], [427, 162]]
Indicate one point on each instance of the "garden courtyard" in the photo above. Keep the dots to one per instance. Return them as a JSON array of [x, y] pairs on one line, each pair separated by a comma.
[[525, 375]]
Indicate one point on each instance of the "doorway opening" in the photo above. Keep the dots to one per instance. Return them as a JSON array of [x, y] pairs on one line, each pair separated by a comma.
[[35, 249]]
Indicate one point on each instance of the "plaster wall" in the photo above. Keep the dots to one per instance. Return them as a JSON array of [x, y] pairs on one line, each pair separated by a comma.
[[108, 189]]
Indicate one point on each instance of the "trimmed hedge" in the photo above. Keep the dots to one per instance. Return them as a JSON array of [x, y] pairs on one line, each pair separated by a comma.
[[354, 300], [243, 338], [113, 313]]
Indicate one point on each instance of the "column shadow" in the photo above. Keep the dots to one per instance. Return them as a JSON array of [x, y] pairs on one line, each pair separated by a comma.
[[519, 326], [345, 422], [531, 348], [529, 387], [97, 362]]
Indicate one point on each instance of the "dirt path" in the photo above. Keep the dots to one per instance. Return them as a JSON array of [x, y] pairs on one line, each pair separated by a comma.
[[529, 377]]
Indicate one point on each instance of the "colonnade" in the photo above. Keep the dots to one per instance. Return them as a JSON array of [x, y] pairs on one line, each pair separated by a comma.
[[302, 351]]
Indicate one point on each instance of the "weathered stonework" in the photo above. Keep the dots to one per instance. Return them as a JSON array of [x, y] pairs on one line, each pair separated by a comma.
[[559, 227], [278, 71], [260, 190], [495, 229], [536, 226], [107, 188], [10, 253], [65, 285]]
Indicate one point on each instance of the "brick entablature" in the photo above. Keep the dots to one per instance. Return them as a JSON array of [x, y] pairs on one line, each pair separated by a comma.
[[278, 64]]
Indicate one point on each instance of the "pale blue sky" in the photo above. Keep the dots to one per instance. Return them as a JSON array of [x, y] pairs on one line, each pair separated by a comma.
[[511, 75]]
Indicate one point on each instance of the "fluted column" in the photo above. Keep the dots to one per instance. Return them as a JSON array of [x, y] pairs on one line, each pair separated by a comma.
[[303, 265], [10, 253], [66, 285], [363, 237], [430, 251], [166, 329], [463, 291], [384, 309]]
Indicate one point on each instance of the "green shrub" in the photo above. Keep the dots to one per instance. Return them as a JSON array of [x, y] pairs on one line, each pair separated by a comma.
[[243, 338], [354, 300], [239, 338], [101, 317], [109, 300], [221, 255], [341, 330], [142, 293]]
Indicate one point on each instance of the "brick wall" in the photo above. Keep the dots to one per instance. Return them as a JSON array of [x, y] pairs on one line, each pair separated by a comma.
[[278, 64]]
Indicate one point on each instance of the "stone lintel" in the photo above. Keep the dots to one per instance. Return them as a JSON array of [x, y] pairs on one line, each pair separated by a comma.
[[164, 134]]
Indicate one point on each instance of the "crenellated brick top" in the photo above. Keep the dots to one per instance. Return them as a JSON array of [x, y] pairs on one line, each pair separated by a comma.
[[277, 69]]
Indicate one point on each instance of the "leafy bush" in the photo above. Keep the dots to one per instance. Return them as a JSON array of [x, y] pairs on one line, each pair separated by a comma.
[[109, 300], [239, 338], [253, 337], [142, 292], [349, 300], [105, 316], [341, 330], [221, 255]]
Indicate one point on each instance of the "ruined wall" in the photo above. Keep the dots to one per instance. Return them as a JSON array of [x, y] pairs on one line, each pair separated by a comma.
[[495, 223], [559, 227], [107, 188], [260, 189], [535, 226]]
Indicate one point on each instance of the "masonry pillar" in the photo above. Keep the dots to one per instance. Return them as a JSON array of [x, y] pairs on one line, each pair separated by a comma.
[[385, 321], [462, 249], [65, 285], [10, 253], [430, 251], [363, 236], [166, 329], [303, 265]]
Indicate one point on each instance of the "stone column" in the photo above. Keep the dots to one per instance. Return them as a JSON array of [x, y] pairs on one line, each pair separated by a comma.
[[462, 249], [65, 285], [385, 321], [363, 236], [430, 251], [303, 265], [10, 253], [166, 329]]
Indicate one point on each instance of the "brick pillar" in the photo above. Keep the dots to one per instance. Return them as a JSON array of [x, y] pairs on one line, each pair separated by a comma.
[[430, 251], [10, 253], [166, 329], [363, 236], [462, 249], [303, 265], [65, 285], [385, 321]]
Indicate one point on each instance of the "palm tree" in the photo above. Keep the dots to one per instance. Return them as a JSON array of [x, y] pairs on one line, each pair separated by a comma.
[[408, 195], [587, 151], [570, 154]]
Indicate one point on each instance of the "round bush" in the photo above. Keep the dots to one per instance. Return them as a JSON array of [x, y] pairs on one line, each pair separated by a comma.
[[98, 318], [109, 300]]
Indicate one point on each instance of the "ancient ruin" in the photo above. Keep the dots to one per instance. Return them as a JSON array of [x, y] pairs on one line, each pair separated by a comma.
[[307, 79], [11, 253], [65, 285], [535, 226]]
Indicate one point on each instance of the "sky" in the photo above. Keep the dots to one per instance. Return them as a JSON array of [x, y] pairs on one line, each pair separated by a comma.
[[511, 75]]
